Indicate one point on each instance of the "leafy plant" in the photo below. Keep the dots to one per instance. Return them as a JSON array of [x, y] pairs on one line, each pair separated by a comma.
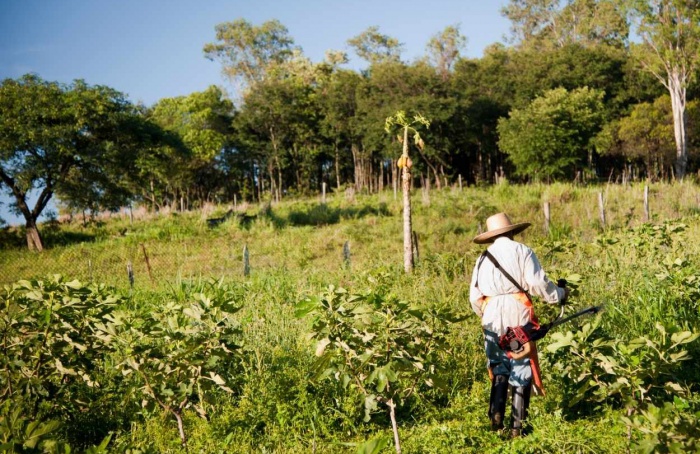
[[385, 348], [668, 428], [49, 337], [178, 350], [19, 434]]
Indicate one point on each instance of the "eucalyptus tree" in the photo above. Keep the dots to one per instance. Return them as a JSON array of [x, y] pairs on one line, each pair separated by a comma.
[[670, 50], [550, 137], [444, 48], [246, 51], [557, 23], [375, 47], [50, 131]]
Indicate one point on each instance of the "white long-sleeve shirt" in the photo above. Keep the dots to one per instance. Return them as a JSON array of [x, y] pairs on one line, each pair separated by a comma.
[[504, 309]]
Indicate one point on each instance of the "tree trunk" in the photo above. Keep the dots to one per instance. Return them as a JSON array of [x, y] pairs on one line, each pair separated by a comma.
[[337, 167], [34, 241], [407, 225], [677, 91]]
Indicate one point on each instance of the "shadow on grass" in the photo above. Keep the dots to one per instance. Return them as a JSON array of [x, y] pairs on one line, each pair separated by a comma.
[[318, 215], [51, 235]]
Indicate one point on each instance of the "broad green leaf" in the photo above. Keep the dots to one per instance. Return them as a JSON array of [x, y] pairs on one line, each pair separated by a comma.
[[74, 284], [684, 337]]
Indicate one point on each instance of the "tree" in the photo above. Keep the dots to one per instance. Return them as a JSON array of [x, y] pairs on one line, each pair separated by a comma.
[[338, 104], [202, 123], [276, 111], [444, 47], [548, 23], [552, 135], [246, 51], [48, 130], [646, 134], [374, 47], [670, 50], [406, 126]]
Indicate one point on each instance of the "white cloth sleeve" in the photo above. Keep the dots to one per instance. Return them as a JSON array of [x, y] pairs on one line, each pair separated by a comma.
[[537, 281]]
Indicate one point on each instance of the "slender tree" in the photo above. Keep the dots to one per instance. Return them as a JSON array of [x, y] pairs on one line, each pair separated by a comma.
[[670, 50], [375, 47], [444, 48], [246, 51], [407, 126]]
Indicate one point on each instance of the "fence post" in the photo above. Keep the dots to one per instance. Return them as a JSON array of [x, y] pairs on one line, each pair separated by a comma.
[[148, 264], [646, 203], [546, 218], [416, 254], [323, 193], [246, 261], [346, 254], [460, 181], [130, 275], [601, 209]]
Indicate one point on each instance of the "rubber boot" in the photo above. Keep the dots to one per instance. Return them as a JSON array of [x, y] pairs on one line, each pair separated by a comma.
[[497, 402], [519, 406]]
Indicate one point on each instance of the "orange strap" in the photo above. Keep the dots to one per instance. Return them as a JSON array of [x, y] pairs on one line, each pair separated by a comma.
[[534, 359]]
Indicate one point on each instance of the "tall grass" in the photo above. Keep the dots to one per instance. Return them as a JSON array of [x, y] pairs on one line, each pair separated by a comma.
[[296, 250]]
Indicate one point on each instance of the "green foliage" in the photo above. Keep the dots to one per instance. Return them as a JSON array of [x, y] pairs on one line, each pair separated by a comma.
[[19, 434], [386, 348], [51, 338], [551, 136], [179, 349], [669, 428]]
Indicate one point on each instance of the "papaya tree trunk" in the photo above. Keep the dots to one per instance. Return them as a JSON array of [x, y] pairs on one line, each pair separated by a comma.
[[407, 225]]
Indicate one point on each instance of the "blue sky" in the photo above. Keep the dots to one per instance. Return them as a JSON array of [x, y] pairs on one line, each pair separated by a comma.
[[152, 49]]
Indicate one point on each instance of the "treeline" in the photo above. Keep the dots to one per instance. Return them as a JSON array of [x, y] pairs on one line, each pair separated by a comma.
[[570, 98]]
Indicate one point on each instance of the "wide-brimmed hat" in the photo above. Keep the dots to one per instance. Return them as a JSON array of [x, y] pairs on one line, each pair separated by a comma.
[[498, 224]]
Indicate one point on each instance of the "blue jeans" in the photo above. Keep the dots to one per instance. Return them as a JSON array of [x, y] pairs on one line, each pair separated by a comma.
[[518, 370]]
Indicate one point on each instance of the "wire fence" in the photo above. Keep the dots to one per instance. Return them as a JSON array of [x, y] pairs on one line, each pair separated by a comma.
[[143, 264]]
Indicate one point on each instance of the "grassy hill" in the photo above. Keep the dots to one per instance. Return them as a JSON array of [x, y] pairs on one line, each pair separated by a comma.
[[597, 371]]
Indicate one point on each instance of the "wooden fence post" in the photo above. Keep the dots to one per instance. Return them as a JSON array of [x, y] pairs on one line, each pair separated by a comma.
[[646, 203], [130, 275], [346, 254], [246, 261], [148, 264], [546, 217], [323, 193], [601, 209], [460, 181], [416, 254]]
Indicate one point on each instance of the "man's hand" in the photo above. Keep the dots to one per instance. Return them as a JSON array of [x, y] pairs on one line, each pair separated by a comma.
[[562, 283], [566, 295]]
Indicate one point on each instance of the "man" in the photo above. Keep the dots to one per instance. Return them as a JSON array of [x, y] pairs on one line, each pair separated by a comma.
[[504, 277]]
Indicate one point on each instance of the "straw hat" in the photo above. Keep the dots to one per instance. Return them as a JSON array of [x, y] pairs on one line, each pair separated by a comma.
[[498, 224]]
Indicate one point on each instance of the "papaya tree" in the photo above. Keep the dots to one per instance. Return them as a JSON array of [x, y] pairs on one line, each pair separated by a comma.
[[407, 126]]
